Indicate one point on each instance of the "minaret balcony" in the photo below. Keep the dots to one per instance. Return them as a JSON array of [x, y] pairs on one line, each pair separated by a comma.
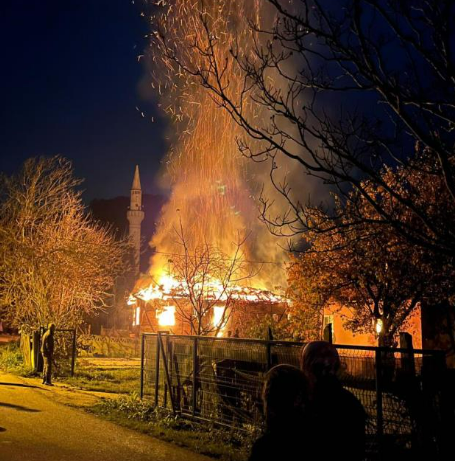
[[136, 215]]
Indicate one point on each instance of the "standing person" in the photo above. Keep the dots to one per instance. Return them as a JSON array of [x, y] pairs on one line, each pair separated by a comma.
[[285, 397], [47, 350], [338, 416]]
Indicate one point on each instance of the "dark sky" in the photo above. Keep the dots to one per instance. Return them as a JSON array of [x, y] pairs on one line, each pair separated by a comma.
[[69, 85]]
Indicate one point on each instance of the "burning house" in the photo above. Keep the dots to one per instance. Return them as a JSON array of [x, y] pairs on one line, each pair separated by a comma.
[[197, 282], [209, 227], [205, 291], [208, 307]]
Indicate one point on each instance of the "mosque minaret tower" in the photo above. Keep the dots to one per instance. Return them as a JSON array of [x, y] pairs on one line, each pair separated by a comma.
[[135, 217]]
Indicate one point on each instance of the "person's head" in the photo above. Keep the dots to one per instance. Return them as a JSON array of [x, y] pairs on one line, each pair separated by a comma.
[[285, 395], [319, 360], [51, 328]]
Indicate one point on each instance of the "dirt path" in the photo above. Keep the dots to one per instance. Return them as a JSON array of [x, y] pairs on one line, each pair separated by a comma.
[[34, 426]]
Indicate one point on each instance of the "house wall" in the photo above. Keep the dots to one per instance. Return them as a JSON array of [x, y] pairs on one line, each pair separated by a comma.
[[246, 313], [342, 335]]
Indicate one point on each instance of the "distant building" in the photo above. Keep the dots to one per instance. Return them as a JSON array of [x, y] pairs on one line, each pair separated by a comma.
[[135, 217]]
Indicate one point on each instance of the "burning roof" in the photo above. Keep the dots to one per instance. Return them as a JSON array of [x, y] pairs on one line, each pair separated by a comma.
[[168, 288]]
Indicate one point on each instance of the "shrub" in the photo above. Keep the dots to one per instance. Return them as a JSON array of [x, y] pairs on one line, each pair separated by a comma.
[[11, 360]]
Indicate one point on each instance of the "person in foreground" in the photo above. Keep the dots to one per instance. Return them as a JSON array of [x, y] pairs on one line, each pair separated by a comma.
[[285, 397], [337, 417]]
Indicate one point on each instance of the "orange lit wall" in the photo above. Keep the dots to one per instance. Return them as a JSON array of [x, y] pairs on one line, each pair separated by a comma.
[[344, 336]]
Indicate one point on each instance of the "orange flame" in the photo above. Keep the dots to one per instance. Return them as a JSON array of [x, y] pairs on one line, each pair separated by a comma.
[[212, 191]]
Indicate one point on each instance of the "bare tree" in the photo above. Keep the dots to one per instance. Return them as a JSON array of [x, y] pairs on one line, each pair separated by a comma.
[[56, 263], [341, 89], [208, 280]]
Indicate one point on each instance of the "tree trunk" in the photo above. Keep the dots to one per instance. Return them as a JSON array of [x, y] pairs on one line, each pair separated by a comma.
[[387, 358], [385, 340]]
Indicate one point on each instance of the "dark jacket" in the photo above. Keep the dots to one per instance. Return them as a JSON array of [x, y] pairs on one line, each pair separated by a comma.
[[281, 446], [338, 421], [47, 345], [289, 438]]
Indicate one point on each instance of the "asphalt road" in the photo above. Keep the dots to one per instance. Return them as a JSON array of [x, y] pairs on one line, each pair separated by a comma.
[[33, 427]]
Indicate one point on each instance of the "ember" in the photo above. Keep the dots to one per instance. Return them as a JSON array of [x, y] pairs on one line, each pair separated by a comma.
[[210, 248], [212, 190]]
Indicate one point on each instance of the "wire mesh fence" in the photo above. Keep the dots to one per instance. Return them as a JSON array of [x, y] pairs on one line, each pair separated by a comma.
[[220, 380], [64, 358]]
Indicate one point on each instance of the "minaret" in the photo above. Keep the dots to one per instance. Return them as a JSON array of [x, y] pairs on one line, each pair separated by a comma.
[[135, 216]]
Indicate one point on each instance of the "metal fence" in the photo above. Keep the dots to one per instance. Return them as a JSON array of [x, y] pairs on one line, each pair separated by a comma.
[[220, 380], [64, 351]]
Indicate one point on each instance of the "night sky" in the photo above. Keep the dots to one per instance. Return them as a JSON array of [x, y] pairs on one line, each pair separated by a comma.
[[69, 85]]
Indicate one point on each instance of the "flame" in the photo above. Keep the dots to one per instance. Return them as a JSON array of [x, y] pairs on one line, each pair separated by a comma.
[[168, 288], [212, 191], [220, 318], [166, 317]]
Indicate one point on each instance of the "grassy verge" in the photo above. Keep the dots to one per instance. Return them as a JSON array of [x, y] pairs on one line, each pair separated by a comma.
[[11, 360], [226, 445], [120, 380]]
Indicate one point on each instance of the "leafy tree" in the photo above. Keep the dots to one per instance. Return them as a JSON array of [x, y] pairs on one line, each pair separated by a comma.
[[56, 263], [371, 268], [261, 326], [307, 301]]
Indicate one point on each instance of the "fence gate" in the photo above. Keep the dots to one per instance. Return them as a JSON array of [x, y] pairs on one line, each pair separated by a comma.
[[220, 380], [64, 351]]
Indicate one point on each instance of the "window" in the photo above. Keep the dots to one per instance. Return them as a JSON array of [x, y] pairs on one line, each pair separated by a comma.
[[220, 318], [137, 316], [166, 316]]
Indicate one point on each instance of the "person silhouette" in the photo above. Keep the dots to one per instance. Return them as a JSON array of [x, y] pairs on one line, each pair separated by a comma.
[[337, 416], [285, 398], [47, 351]]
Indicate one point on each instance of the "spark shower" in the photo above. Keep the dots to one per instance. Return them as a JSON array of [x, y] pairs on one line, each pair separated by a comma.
[[213, 188]]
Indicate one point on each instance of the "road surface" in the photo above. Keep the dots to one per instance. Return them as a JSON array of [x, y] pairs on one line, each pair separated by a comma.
[[34, 427]]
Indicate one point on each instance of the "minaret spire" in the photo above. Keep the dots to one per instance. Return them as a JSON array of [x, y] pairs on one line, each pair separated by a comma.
[[135, 216], [137, 180]]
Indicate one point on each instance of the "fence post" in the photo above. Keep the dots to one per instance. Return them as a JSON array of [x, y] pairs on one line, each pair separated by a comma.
[[269, 355], [379, 413], [407, 358], [445, 385], [142, 364], [166, 372], [35, 355], [157, 370], [73, 356], [195, 371]]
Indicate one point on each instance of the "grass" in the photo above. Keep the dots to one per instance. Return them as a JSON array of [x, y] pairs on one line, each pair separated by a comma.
[[120, 380], [129, 411], [223, 444], [11, 360]]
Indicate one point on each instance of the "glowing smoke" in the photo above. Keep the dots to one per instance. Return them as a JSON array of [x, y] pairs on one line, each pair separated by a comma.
[[213, 188]]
